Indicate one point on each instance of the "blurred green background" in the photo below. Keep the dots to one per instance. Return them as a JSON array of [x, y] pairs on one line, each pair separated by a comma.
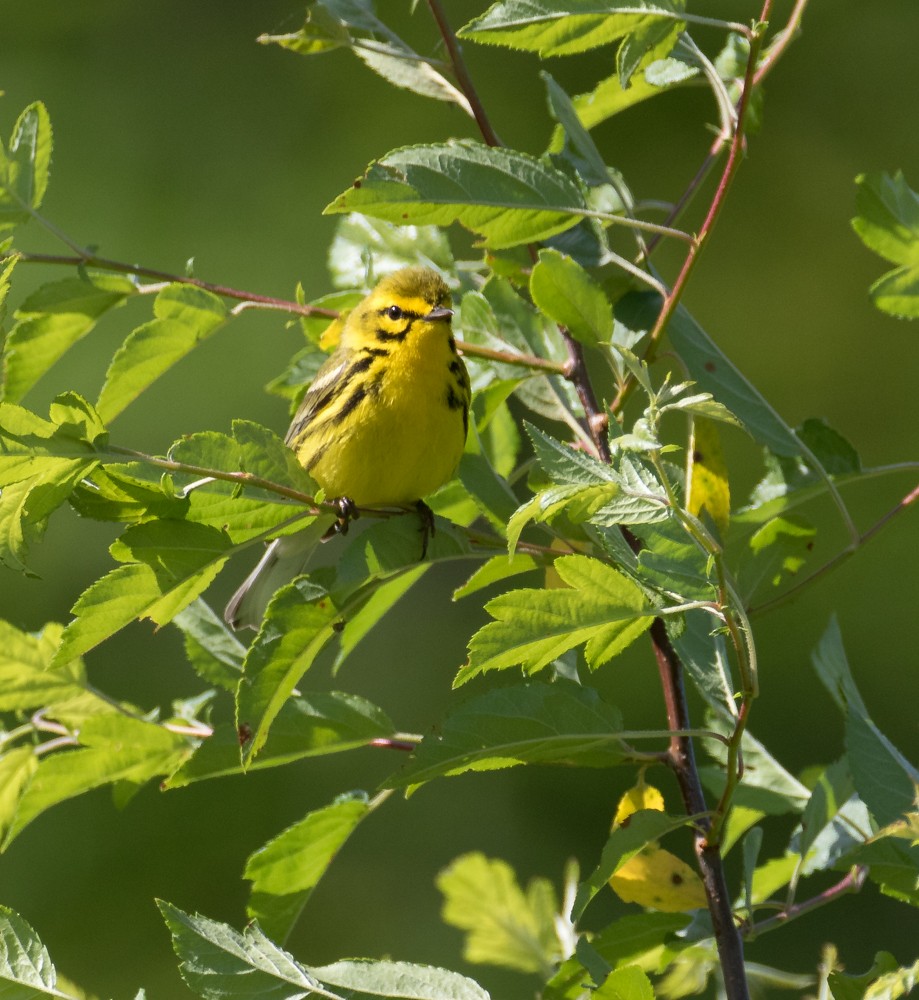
[[177, 136]]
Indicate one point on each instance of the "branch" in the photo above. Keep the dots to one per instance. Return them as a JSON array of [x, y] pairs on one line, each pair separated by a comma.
[[898, 508], [851, 883], [462, 74]]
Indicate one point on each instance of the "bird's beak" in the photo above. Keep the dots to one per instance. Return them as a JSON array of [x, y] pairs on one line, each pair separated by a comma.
[[439, 312]]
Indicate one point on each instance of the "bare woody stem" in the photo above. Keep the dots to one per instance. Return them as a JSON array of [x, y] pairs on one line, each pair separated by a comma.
[[264, 302]]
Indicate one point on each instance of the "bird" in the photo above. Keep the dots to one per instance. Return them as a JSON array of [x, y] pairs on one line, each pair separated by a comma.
[[383, 423]]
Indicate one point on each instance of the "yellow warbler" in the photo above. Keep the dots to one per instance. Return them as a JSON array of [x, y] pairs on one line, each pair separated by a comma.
[[383, 423]]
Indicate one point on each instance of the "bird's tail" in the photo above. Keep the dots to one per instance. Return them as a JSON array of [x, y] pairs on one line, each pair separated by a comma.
[[284, 559]]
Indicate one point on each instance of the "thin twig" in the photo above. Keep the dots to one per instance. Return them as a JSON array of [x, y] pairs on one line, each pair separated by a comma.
[[852, 882], [462, 74], [898, 508]]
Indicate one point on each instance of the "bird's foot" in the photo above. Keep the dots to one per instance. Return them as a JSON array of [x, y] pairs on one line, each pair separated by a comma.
[[427, 525]]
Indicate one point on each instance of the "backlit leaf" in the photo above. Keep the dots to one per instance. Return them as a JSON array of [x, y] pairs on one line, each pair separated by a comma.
[[564, 291], [24, 166], [563, 27], [600, 607], [504, 924], [185, 315], [51, 320], [284, 871]]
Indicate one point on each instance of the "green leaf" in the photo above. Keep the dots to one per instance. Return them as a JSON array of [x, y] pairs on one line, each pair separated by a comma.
[[399, 980], [562, 27], [505, 196], [888, 216], [384, 597], [532, 627], [284, 871], [609, 97], [185, 315], [172, 562], [27, 679], [879, 983], [713, 372], [294, 630], [262, 453], [51, 320], [701, 647], [17, 769], [566, 293], [333, 24], [558, 723], [627, 983], [490, 492], [564, 464], [624, 843], [579, 502], [212, 649], [322, 722], [884, 779], [897, 292], [24, 167], [831, 792], [583, 149], [112, 748], [218, 963], [638, 939], [26, 972], [504, 925], [495, 570], [363, 250]]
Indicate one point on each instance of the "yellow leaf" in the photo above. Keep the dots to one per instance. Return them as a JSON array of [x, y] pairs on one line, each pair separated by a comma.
[[640, 797], [654, 877], [707, 474], [658, 879]]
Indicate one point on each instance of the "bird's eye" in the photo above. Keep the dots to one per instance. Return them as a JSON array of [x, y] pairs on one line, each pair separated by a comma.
[[394, 312]]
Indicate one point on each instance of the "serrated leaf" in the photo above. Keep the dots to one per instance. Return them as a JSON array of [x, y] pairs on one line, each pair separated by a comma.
[[284, 871], [507, 197], [112, 748], [558, 723], [27, 679], [294, 630], [562, 27], [399, 980], [51, 320], [24, 166], [504, 925], [17, 768], [26, 971], [495, 570], [564, 464], [185, 315], [217, 962], [403, 68], [212, 649], [601, 607], [627, 983], [888, 216], [313, 725], [564, 291], [175, 562], [262, 453]]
